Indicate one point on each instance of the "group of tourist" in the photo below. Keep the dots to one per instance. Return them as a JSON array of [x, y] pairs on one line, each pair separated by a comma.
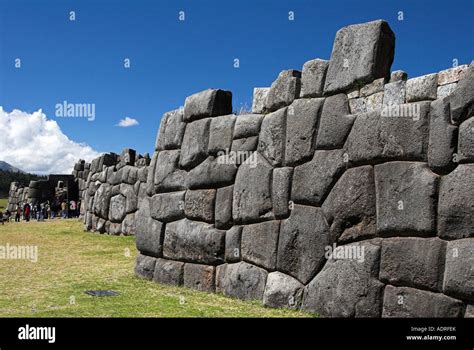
[[42, 211]]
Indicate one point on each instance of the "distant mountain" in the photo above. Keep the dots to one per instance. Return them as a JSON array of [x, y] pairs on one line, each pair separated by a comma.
[[4, 166]]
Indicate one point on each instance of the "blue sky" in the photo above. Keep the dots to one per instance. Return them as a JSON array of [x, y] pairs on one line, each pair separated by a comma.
[[82, 61]]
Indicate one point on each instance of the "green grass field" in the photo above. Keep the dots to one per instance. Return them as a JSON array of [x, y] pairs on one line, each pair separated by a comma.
[[3, 203], [71, 261]]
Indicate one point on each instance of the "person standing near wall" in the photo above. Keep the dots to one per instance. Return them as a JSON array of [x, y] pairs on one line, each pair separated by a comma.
[[64, 209]]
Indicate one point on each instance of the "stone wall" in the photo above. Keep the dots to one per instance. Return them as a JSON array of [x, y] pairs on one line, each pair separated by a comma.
[[344, 154]]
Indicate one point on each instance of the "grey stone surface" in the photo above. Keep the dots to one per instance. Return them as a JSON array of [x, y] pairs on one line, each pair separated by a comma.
[[282, 291], [398, 75], [335, 124], [456, 203], [252, 191], [167, 175], [445, 90], [131, 198], [149, 233], [312, 77], [169, 272], [281, 190], [375, 102], [406, 199], [247, 125], [347, 287], [145, 266], [221, 133], [361, 53], [129, 225], [301, 129], [469, 311], [350, 206], [413, 262], [102, 200], [422, 88], [117, 208], [259, 244], [207, 103], [466, 141], [375, 86], [462, 98], [459, 272], [199, 205], [442, 137], [358, 105], [200, 277], [223, 211], [302, 241], [191, 241], [284, 90], [167, 207], [243, 281], [452, 75], [195, 142], [233, 239], [394, 93], [312, 181], [213, 172], [259, 99], [244, 147], [410, 302], [171, 132], [271, 142]]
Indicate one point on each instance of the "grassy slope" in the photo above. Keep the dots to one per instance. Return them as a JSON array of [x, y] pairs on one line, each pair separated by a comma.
[[71, 261], [3, 203]]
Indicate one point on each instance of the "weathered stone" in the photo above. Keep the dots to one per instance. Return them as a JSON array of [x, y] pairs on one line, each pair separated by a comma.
[[173, 130], [131, 199], [167, 207], [191, 241], [442, 137], [281, 191], [169, 272], [336, 122], [243, 281], [128, 157], [466, 141], [376, 86], [456, 203], [259, 99], [406, 199], [347, 287], [195, 142], [394, 93], [301, 123], [312, 181], [410, 302], [469, 311], [129, 225], [149, 233], [358, 105], [302, 241], [233, 240], [221, 133], [247, 125], [271, 142], [117, 208], [167, 175], [452, 75], [100, 227], [223, 211], [375, 102], [413, 262], [400, 133], [242, 148], [213, 172], [207, 103], [284, 90], [445, 90], [282, 291], [220, 277], [353, 94], [260, 243], [459, 272], [102, 200], [199, 205], [200, 277], [422, 88], [350, 206], [462, 98], [312, 78], [145, 266], [398, 75], [114, 228], [252, 190], [361, 53], [150, 176]]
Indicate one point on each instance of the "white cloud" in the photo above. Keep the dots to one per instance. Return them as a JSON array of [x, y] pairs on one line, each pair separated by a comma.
[[125, 123], [36, 144]]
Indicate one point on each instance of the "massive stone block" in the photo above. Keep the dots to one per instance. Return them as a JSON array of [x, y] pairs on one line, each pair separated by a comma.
[[221, 133], [302, 241], [200, 277], [456, 203], [452, 75], [284, 90], [466, 141], [191, 241], [410, 302], [213, 172], [301, 128], [195, 142], [259, 99], [313, 180], [406, 199], [459, 273], [145, 266], [413, 262], [223, 211], [422, 88], [243, 281], [361, 53], [462, 98], [117, 208], [167, 175], [336, 122], [271, 142], [171, 132], [312, 77], [199, 205], [247, 125], [169, 272], [347, 287], [252, 190], [282, 291], [259, 244], [394, 93], [207, 103], [167, 207], [233, 240], [350, 206], [149, 233], [102, 200], [281, 188]]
